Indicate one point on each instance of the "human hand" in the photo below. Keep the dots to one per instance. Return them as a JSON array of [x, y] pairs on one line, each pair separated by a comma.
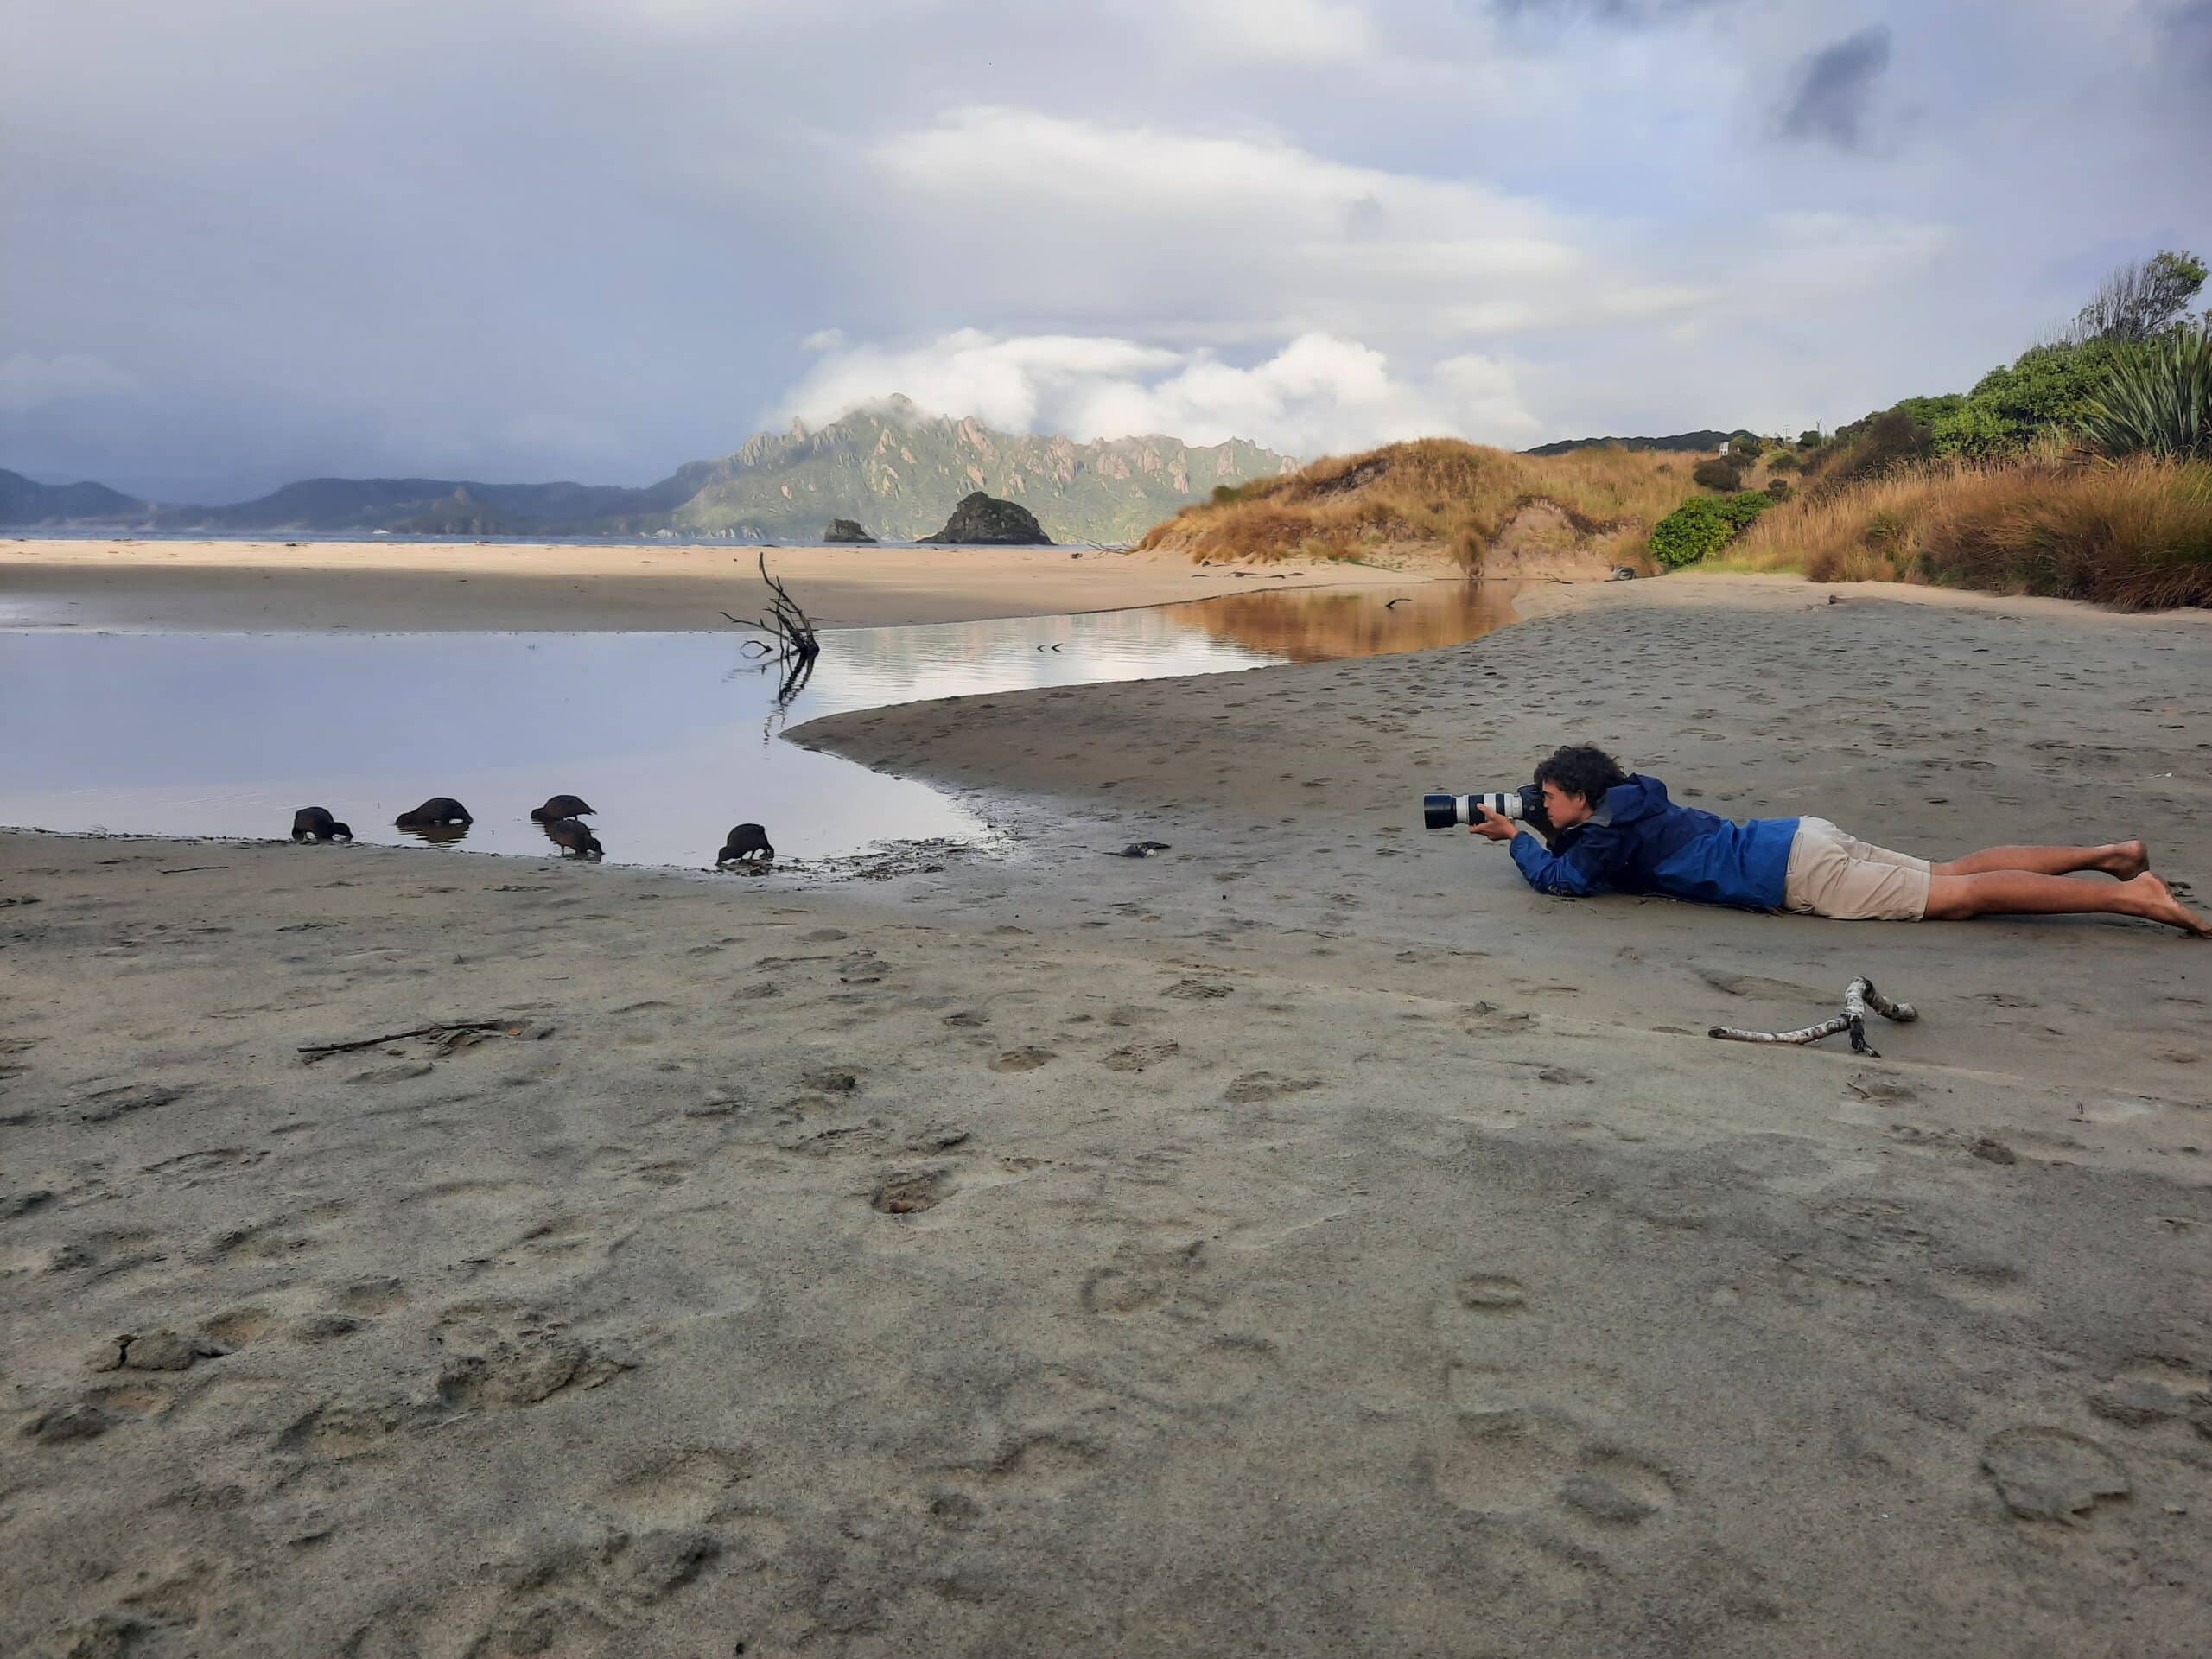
[[1495, 826]]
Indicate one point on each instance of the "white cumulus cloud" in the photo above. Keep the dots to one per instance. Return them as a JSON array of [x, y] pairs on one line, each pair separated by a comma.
[[1320, 393], [1246, 235]]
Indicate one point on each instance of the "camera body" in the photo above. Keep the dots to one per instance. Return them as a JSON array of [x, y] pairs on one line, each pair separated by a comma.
[[1452, 811]]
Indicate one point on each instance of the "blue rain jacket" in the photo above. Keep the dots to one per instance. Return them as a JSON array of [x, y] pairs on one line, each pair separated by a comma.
[[1640, 841]]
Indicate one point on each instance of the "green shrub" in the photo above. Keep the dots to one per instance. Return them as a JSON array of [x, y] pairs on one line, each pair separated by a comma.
[[1690, 533], [2158, 405], [1223, 494], [1717, 473], [2046, 386], [1749, 445], [1783, 461], [1777, 490], [1812, 439], [1739, 509]]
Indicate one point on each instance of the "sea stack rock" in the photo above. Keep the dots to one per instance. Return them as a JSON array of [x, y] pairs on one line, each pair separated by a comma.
[[983, 520], [847, 530]]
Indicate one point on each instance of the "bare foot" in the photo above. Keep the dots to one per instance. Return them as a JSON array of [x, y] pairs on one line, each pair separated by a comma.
[[2159, 905], [2126, 859]]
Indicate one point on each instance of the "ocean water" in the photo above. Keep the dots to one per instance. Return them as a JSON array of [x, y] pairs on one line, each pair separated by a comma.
[[674, 738]]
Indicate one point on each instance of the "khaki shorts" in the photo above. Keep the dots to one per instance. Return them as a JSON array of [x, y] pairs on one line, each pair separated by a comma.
[[1835, 874]]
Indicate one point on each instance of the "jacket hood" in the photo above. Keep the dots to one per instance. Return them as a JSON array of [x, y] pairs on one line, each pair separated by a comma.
[[1639, 797]]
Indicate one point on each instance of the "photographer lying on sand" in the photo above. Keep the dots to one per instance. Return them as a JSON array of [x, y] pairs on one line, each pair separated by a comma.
[[1613, 832]]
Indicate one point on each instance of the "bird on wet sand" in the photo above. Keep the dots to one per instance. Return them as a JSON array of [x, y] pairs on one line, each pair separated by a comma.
[[746, 847], [557, 807], [315, 823], [439, 812], [574, 839], [1143, 849]]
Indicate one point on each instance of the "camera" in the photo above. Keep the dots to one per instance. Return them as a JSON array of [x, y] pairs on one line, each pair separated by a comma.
[[1450, 811]]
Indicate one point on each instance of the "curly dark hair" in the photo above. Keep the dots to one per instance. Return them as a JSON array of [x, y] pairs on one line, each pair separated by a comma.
[[1581, 769]]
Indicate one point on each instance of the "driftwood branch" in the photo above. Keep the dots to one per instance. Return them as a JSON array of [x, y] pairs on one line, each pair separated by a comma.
[[787, 623], [447, 1029], [1858, 996]]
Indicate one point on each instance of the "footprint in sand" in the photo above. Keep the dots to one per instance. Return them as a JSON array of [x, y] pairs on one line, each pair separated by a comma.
[[1196, 990], [608, 1583], [338, 1431], [1491, 1292], [1023, 1059], [685, 1486], [105, 1105], [1226, 1370], [907, 1193], [1616, 1488], [277, 1239], [2151, 1389], [1256, 1086], [2044, 1473], [1042, 1466], [1137, 1279], [505, 1359], [1136, 1057]]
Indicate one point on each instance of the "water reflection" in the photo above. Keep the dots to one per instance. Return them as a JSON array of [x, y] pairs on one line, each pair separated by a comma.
[[1325, 628], [671, 734]]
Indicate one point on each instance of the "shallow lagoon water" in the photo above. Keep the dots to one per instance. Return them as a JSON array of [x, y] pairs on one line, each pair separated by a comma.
[[673, 737]]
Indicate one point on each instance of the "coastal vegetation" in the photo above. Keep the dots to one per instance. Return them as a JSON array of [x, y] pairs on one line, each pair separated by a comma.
[[1438, 497], [2134, 532], [2082, 469], [1704, 525]]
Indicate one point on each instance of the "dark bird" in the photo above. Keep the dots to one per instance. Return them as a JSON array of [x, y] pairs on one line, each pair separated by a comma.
[[1141, 849], [561, 806], [747, 844], [1392, 604], [315, 823], [436, 813], [573, 838]]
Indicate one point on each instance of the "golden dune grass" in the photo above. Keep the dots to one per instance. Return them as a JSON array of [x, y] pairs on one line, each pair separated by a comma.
[[2134, 533], [1457, 498]]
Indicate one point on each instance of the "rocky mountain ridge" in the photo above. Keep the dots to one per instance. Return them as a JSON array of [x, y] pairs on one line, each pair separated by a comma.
[[892, 467]]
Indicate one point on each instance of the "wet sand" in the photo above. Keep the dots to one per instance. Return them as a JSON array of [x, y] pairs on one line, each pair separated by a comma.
[[1305, 1241], [415, 587]]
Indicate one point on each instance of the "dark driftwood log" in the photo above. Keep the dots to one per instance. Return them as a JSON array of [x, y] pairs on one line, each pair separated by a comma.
[[787, 623], [1857, 997]]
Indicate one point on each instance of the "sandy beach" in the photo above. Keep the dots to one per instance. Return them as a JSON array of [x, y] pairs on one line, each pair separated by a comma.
[[1306, 1241], [419, 587]]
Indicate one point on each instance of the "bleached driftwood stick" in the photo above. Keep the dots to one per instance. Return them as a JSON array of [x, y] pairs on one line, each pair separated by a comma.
[[1858, 997]]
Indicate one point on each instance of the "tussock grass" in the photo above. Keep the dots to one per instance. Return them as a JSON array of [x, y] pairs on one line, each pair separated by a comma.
[[2133, 533], [1435, 495]]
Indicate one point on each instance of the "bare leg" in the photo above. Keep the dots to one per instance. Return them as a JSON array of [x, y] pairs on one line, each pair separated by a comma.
[[2021, 893], [2124, 859]]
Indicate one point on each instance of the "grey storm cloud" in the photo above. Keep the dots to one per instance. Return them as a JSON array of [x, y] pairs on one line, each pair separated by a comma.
[[1834, 89], [1612, 12], [2188, 29]]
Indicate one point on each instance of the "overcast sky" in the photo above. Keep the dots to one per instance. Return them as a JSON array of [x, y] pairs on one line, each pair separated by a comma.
[[244, 241]]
